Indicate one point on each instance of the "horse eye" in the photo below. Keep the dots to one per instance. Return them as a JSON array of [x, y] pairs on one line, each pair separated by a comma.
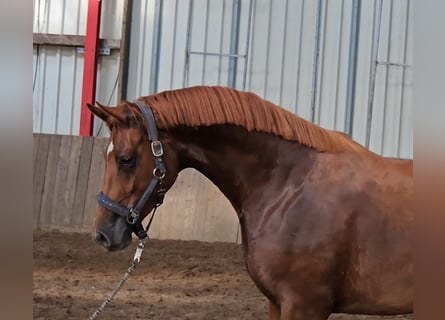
[[126, 161]]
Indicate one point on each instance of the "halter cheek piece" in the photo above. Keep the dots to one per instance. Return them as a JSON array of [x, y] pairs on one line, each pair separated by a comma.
[[133, 215]]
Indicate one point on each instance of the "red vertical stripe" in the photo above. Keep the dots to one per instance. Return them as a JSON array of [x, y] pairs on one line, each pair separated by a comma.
[[90, 66]]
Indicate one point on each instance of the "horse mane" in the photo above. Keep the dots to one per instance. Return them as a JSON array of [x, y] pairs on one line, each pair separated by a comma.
[[207, 106]]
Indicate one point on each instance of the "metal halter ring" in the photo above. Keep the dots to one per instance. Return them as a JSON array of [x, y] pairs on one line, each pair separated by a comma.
[[132, 217], [158, 174]]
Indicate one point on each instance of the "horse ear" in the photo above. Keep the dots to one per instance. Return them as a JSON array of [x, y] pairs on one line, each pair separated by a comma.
[[106, 113], [99, 112]]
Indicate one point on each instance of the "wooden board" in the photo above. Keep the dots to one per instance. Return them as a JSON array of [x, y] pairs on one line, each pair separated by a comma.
[[94, 182], [70, 184], [82, 182], [35, 148], [59, 185], [195, 209], [70, 40], [39, 174], [50, 179]]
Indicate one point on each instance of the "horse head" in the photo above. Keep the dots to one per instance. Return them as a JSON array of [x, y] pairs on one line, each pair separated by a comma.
[[139, 170]]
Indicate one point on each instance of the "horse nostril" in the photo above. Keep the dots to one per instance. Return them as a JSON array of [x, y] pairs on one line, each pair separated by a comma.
[[102, 239]]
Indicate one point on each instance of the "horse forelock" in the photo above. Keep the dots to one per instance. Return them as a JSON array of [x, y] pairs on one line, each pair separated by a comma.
[[207, 106]]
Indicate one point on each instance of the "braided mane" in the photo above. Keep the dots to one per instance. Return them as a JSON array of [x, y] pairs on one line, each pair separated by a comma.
[[206, 106]]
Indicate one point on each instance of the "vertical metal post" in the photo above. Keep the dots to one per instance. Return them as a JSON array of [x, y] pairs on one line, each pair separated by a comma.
[[90, 66], [249, 31], [221, 39], [234, 42], [352, 67], [316, 58], [267, 50], [283, 53], [385, 109], [124, 50], [300, 39], [374, 60], [155, 52], [185, 80], [206, 34], [175, 27], [402, 93]]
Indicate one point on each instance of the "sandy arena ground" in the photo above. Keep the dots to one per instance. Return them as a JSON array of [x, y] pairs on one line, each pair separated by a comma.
[[175, 280]]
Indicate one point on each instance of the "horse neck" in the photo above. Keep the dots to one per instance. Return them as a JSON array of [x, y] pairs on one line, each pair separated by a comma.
[[242, 164]]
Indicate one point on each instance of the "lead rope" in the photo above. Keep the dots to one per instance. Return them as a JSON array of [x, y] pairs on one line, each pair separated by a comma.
[[136, 260]]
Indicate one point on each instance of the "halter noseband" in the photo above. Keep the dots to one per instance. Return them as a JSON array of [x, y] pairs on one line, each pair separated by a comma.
[[133, 215]]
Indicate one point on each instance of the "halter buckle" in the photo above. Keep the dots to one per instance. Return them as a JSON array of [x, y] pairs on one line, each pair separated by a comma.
[[158, 173], [156, 148], [133, 216]]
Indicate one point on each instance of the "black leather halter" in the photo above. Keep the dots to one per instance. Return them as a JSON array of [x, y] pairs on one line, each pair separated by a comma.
[[133, 215]]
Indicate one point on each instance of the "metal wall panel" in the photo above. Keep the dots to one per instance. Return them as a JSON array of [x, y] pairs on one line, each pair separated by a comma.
[[58, 71], [304, 47], [60, 16], [386, 140], [365, 54], [58, 80], [141, 42], [386, 125], [294, 53], [70, 17], [182, 28], [329, 109], [213, 38]]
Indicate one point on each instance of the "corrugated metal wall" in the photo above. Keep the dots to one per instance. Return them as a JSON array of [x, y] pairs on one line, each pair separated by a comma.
[[294, 53], [57, 83], [386, 126]]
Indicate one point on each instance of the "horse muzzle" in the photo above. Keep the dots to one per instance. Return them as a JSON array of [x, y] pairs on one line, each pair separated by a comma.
[[115, 237]]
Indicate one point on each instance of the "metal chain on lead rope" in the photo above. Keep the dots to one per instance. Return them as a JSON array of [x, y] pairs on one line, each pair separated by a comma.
[[136, 260], [134, 263]]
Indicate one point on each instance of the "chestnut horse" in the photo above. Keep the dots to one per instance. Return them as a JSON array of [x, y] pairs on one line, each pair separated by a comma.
[[326, 225]]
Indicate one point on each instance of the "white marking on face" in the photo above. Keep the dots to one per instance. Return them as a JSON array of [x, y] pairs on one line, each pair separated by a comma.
[[110, 148]]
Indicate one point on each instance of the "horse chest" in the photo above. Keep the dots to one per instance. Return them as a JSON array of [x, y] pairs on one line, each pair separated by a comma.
[[258, 272]]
